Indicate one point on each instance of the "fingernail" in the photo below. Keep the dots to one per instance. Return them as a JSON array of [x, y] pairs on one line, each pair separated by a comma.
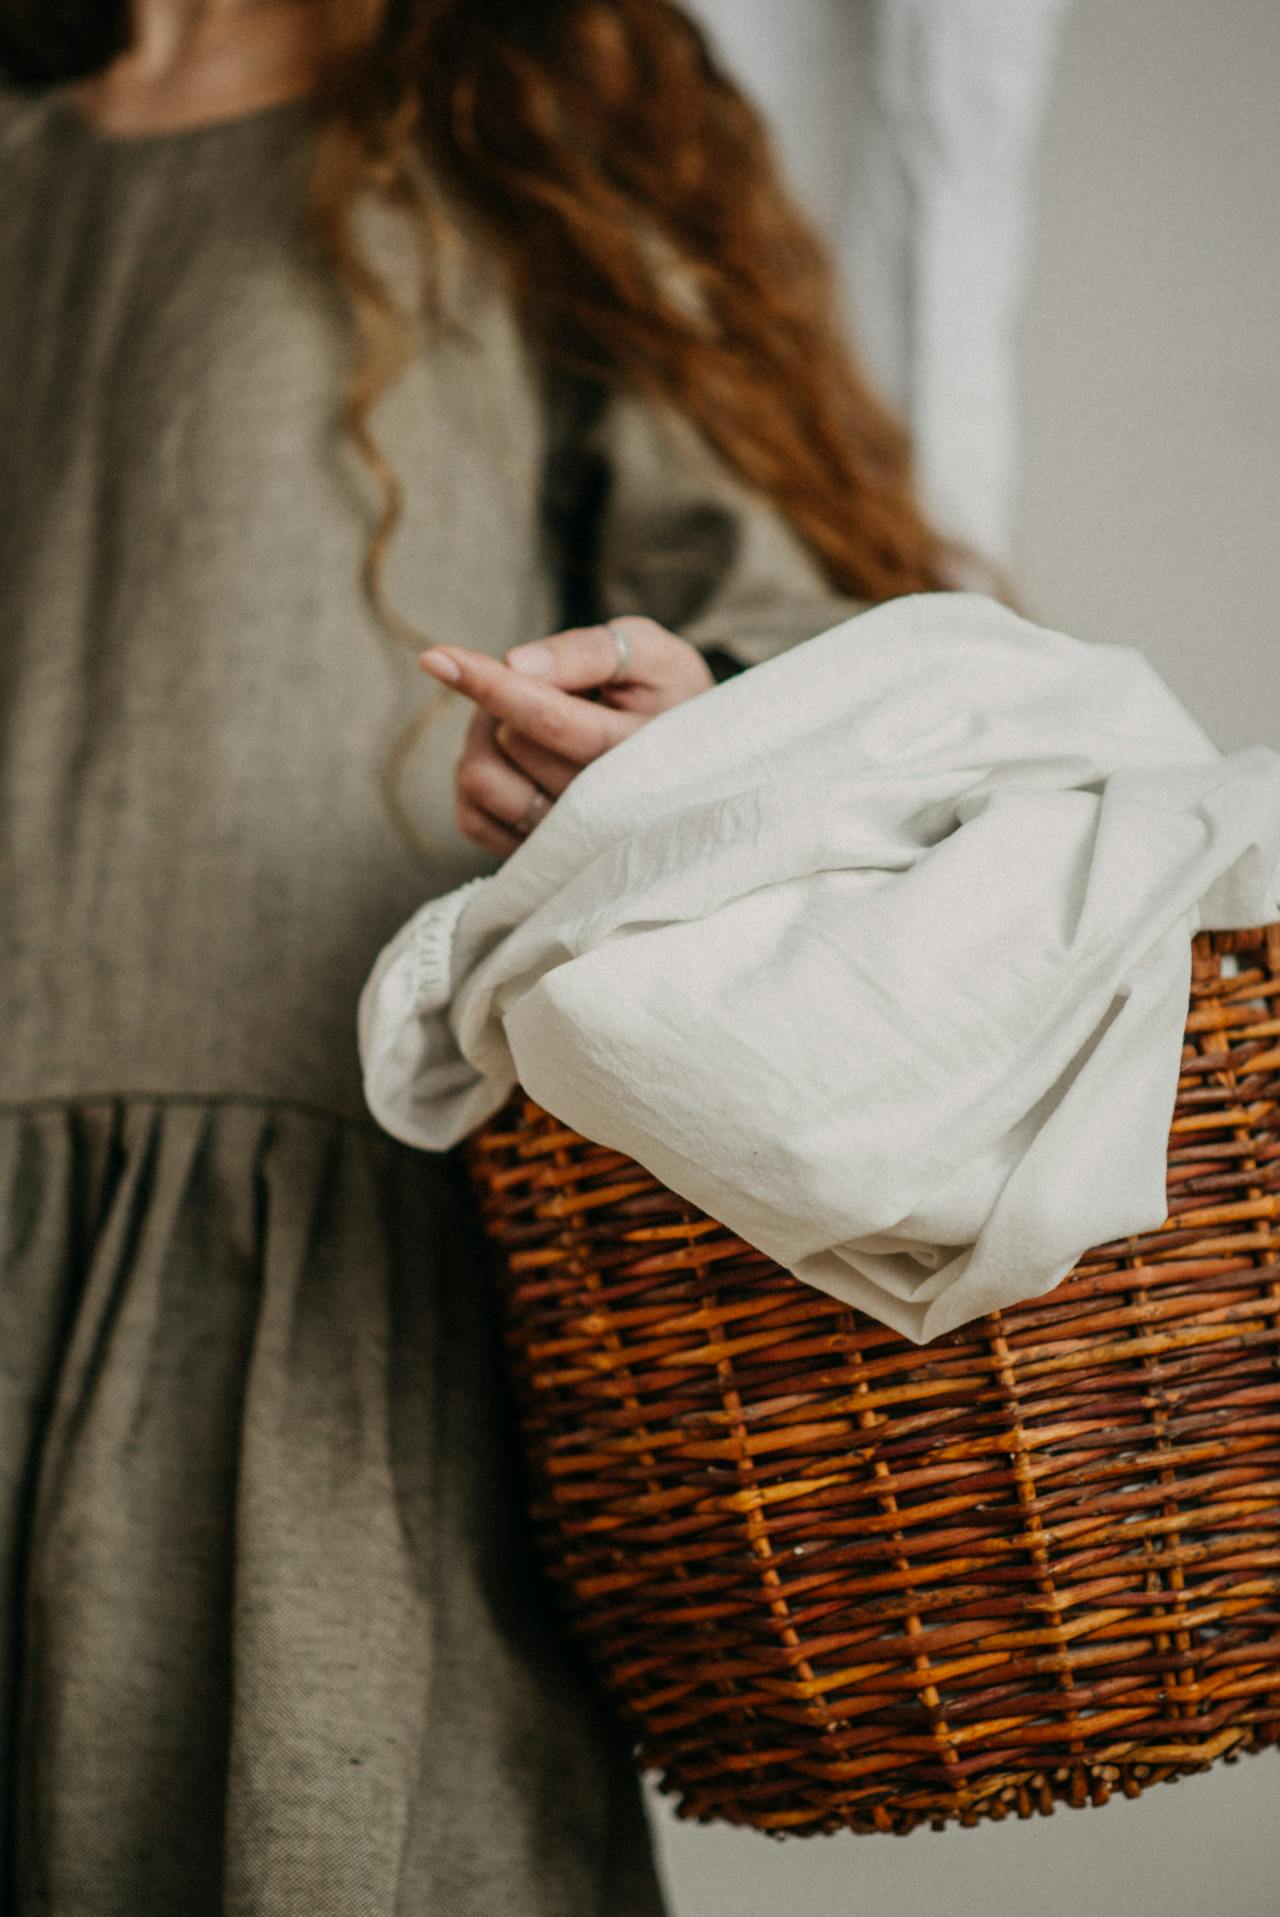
[[440, 663], [533, 657]]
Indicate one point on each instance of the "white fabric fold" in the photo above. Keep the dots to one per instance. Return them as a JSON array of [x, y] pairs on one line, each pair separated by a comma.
[[879, 953]]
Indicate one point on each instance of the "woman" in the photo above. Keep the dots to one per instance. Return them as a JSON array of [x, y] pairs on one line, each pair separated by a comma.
[[326, 329]]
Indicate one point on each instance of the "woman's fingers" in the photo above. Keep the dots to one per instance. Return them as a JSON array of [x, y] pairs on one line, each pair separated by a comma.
[[587, 656], [574, 728], [491, 793], [482, 830], [534, 728], [550, 770]]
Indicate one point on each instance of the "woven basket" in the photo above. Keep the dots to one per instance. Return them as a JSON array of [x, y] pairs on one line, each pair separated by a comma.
[[835, 1580]]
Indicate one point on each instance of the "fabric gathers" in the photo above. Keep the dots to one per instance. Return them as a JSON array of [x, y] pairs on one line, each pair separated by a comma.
[[878, 952]]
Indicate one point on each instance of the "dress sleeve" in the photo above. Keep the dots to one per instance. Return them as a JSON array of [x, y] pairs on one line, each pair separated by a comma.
[[646, 518]]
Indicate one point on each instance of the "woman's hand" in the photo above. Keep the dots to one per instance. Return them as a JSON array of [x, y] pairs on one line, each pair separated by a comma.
[[550, 708]]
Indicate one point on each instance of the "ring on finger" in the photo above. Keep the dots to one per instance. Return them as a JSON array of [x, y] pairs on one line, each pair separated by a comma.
[[621, 641], [537, 808]]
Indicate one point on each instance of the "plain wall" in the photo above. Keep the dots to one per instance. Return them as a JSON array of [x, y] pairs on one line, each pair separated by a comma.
[[1150, 510], [1149, 515]]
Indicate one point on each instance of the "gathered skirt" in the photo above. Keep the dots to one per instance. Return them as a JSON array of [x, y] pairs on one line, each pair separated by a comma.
[[275, 1641]]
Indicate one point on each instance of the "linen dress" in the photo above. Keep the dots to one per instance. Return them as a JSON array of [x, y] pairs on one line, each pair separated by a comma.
[[274, 1641]]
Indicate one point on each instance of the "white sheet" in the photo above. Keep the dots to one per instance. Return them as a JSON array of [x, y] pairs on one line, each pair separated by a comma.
[[879, 953]]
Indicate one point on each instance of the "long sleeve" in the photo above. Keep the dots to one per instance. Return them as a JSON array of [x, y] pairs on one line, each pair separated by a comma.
[[646, 518]]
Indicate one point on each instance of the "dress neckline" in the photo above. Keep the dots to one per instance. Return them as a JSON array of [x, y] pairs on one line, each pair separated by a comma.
[[63, 111]]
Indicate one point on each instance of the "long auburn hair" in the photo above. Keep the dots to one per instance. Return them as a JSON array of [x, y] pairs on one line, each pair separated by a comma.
[[632, 193]]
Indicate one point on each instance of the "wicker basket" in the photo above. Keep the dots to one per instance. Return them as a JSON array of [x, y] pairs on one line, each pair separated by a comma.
[[834, 1580]]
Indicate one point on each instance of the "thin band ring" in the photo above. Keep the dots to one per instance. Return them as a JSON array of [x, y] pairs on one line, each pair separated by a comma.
[[537, 808], [621, 641]]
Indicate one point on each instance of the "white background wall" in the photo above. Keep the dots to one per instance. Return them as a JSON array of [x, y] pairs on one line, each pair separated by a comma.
[[1149, 513]]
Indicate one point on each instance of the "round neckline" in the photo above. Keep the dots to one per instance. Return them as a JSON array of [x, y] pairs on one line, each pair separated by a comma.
[[61, 108]]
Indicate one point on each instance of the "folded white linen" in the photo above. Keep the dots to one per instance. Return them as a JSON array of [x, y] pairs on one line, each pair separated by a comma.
[[879, 953]]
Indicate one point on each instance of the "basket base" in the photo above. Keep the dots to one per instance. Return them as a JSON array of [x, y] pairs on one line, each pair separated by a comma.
[[1026, 1795]]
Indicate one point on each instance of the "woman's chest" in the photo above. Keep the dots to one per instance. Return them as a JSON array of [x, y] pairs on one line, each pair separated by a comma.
[[184, 382]]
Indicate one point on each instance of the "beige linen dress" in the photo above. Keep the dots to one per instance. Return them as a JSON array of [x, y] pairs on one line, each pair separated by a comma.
[[273, 1640]]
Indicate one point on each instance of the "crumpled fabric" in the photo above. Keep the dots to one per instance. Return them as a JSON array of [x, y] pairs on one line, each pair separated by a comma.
[[879, 953]]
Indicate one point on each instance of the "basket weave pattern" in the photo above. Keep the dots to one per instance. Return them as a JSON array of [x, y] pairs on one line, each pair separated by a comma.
[[832, 1579]]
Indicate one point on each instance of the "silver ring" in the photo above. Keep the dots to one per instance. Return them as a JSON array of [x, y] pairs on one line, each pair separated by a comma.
[[621, 641], [537, 808]]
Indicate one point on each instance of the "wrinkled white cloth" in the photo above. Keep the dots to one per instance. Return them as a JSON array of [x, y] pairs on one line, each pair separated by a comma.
[[878, 953]]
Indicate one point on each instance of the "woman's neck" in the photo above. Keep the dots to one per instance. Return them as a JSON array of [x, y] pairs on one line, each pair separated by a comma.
[[195, 61]]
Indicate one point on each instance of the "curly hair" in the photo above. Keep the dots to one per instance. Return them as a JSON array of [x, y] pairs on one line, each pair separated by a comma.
[[633, 196]]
